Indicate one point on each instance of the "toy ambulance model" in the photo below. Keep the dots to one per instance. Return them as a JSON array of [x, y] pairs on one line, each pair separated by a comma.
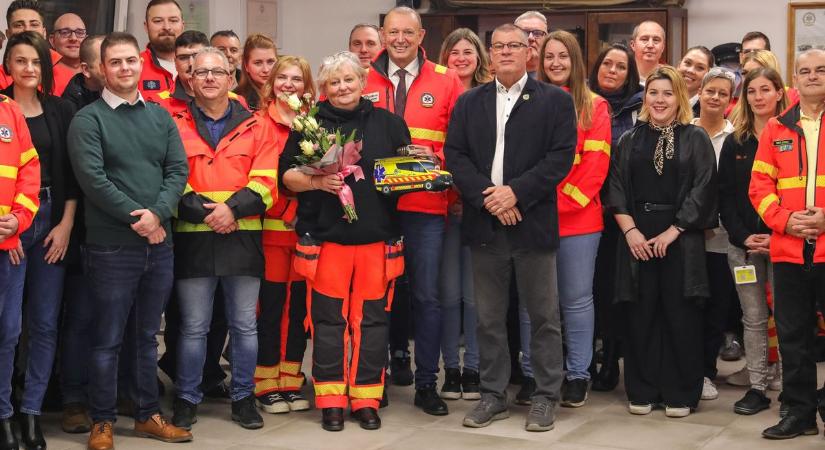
[[403, 174]]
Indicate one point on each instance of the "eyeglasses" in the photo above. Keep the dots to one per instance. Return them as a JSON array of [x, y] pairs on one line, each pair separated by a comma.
[[201, 74], [65, 33], [721, 72], [498, 47], [536, 34]]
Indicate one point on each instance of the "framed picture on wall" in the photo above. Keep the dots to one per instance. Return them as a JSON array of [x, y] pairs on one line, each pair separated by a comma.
[[262, 17], [806, 30]]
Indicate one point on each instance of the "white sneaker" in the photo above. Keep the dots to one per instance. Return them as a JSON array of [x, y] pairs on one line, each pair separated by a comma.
[[639, 409], [709, 392], [774, 377], [739, 378], [677, 411]]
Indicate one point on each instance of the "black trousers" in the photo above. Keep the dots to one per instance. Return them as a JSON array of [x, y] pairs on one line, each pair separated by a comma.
[[609, 321], [663, 344], [717, 309], [400, 317], [798, 293]]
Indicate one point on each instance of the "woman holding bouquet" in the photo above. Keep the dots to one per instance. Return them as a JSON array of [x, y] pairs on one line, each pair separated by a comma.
[[338, 257], [281, 335]]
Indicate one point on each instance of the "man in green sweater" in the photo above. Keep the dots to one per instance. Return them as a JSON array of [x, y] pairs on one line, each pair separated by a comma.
[[129, 161]]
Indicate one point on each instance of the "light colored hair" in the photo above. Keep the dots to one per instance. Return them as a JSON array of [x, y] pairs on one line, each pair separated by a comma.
[[636, 29], [720, 73], [810, 51], [334, 63], [684, 113], [577, 82], [764, 58], [212, 51], [405, 10], [285, 61], [532, 15], [482, 72], [742, 115]]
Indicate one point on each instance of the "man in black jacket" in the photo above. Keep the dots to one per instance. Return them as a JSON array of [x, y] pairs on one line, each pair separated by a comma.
[[507, 162], [85, 87]]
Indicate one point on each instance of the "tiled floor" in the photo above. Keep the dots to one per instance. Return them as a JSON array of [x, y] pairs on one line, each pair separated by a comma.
[[601, 424]]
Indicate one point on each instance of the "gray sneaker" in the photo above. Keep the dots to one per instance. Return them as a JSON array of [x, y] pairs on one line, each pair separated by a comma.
[[490, 408], [541, 415]]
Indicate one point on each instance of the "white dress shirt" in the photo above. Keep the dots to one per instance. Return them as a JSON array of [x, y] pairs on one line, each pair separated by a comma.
[[113, 100], [505, 100], [412, 72]]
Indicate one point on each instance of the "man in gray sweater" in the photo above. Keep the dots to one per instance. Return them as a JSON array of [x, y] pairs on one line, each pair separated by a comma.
[[129, 161]]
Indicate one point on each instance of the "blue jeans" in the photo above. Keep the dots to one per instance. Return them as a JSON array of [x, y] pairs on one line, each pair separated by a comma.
[[78, 318], [456, 290], [423, 240], [124, 279], [575, 264], [195, 298], [11, 303], [44, 292]]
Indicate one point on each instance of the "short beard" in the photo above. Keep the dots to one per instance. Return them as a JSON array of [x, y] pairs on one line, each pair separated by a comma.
[[163, 45]]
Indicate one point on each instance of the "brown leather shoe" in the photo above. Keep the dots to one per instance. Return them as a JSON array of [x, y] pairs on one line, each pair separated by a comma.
[[75, 419], [101, 437], [157, 427]]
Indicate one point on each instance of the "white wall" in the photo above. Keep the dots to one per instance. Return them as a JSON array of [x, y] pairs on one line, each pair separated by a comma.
[[714, 22]]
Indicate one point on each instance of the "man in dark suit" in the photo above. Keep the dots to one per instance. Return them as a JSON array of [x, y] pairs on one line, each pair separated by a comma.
[[509, 143]]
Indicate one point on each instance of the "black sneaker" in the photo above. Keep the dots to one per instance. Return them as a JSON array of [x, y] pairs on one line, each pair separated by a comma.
[[791, 427], [470, 385], [451, 389], [574, 394], [753, 402], [246, 414], [185, 414], [427, 399], [273, 403], [400, 371], [528, 386], [295, 400]]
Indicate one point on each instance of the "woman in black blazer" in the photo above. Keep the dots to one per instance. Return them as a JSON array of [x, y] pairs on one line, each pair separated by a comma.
[[44, 245]]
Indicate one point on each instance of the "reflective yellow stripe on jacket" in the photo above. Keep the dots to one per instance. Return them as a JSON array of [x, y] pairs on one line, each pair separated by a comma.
[[243, 225]]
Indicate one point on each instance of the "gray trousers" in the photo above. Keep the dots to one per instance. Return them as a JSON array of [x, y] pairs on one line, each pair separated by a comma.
[[535, 272]]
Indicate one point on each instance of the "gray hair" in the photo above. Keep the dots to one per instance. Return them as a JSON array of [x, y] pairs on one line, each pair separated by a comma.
[[720, 73], [808, 52], [211, 51], [405, 10], [637, 27], [531, 15], [334, 63]]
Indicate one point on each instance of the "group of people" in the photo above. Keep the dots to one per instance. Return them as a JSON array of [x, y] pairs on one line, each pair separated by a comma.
[[636, 207]]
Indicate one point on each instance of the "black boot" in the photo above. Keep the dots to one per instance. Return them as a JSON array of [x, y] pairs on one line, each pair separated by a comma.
[[8, 441], [31, 433], [608, 375]]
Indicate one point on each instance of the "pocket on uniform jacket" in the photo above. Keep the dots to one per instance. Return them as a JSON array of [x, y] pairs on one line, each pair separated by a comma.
[[393, 259], [307, 251]]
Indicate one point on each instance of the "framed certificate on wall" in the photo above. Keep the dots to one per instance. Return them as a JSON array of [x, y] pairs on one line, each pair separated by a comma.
[[806, 30], [262, 17]]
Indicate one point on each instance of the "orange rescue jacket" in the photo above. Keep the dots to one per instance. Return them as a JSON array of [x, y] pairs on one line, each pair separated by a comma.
[[19, 171], [153, 77], [778, 180], [579, 202], [177, 100], [430, 100], [277, 230]]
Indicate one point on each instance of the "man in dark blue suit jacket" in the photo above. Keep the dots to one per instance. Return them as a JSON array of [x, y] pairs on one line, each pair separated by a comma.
[[509, 144]]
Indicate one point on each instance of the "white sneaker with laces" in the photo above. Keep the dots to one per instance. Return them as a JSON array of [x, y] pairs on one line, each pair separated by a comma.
[[677, 411], [709, 391]]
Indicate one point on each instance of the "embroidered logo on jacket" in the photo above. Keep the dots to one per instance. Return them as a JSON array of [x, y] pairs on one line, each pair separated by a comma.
[[783, 145], [5, 133], [151, 85], [427, 100]]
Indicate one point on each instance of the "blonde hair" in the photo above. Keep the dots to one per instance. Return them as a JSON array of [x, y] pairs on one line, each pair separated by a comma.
[[764, 58], [482, 72], [742, 115], [684, 113], [332, 64], [285, 61], [577, 82]]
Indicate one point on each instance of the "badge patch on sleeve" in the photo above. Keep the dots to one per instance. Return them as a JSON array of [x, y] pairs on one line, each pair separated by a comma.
[[427, 100], [5, 133], [151, 85], [783, 145]]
